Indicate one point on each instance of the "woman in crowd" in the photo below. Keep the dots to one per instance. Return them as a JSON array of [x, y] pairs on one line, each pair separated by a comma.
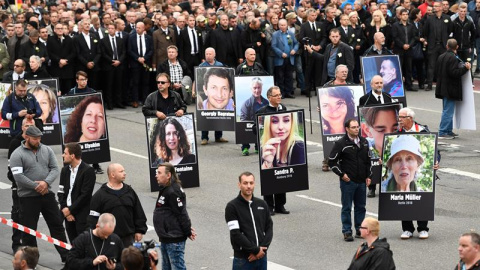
[[37, 70]]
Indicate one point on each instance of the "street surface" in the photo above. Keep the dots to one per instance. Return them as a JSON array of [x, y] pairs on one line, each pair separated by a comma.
[[310, 237]]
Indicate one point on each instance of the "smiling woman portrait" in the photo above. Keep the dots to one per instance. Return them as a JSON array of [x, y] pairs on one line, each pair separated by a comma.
[[87, 122]]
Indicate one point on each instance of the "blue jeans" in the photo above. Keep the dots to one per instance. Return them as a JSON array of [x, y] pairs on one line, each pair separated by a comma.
[[244, 264], [299, 71], [173, 256], [356, 193], [218, 135], [446, 122]]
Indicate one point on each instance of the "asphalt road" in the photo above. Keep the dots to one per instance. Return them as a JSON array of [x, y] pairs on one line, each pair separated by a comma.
[[310, 237]]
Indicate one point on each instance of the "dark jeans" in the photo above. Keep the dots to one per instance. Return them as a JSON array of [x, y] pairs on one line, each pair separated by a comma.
[[406, 63], [244, 264], [420, 71], [139, 84], [31, 208], [276, 201], [407, 225], [128, 240], [356, 193], [218, 135], [284, 77], [173, 256]]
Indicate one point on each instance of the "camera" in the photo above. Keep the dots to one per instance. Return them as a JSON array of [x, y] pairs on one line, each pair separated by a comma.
[[30, 111], [306, 41], [144, 248]]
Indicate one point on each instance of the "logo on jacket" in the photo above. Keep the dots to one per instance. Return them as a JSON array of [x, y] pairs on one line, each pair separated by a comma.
[[161, 200], [179, 201]]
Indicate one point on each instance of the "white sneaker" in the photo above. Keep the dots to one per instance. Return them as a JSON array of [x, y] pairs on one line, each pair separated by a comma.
[[407, 235], [423, 235]]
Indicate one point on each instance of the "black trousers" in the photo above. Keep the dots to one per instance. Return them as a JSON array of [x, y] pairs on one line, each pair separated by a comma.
[[420, 70], [16, 217], [31, 208], [139, 84], [408, 226], [128, 240], [406, 63], [93, 81], [284, 77], [276, 201], [433, 54], [75, 228], [65, 85], [313, 73], [113, 86]]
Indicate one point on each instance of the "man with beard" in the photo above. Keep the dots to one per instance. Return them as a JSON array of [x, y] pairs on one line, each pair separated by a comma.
[[252, 37], [34, 168], [77, 180]]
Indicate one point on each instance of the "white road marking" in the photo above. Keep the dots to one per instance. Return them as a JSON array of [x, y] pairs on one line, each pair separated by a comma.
[[458, 172], [5, 186], [275, 266], [127, 153], [329, 203]]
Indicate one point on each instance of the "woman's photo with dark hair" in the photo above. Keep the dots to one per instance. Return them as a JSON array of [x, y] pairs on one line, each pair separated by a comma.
[[336, 105], [87, 121], [170, 143]]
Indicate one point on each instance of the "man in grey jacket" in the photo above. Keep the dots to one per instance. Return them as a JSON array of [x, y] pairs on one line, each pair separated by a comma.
[[35, 168]]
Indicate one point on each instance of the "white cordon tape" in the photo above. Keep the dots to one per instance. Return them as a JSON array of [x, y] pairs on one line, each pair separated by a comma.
[[40, 235]]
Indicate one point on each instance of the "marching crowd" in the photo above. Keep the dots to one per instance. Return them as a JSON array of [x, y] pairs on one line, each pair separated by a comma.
[[130, 49]]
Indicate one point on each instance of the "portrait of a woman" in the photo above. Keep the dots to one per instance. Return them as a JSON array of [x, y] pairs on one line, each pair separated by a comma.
[[87, 121], [403, 165], [170, 144], [336, 105], [47, 100], [281, 144]]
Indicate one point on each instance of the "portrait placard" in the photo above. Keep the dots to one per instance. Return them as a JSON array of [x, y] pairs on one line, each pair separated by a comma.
[[407, 190], [215, 90], [283, 154], [172, 140], [83, 120], [337, 104], [387, 66], [45, 91], [375, 121], [250, 95]]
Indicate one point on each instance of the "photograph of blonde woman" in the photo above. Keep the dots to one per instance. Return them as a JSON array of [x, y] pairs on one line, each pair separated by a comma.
[[282, 142]]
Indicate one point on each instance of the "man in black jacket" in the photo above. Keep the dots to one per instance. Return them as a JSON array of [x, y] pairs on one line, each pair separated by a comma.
[[449, 70], [250, 225], [171, 212], [119, 199], [404, 34], [77, 180], [336, 53], [163, 102], [377, 95], [99, 248], [375, 253], [350, 160], [62, 55]]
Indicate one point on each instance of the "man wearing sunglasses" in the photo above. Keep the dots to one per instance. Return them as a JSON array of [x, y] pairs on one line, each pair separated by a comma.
[[164, 102]]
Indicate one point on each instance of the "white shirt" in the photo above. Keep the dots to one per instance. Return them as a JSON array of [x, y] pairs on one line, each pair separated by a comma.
[[144, 48], [16, 76], [73, 175], [193, 39], [376, 96], [113, 42], [87, 39]]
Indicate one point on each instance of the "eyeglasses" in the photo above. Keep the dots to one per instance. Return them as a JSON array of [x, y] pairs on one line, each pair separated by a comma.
[[15, 66], [161, 82], [403, 117], [277, 95]]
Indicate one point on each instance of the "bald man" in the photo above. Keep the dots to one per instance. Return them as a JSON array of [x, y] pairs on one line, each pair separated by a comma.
[[120, 199], [378, 46]]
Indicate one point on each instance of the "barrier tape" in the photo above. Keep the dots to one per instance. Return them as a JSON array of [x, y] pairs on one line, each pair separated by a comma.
[[39, 235]]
